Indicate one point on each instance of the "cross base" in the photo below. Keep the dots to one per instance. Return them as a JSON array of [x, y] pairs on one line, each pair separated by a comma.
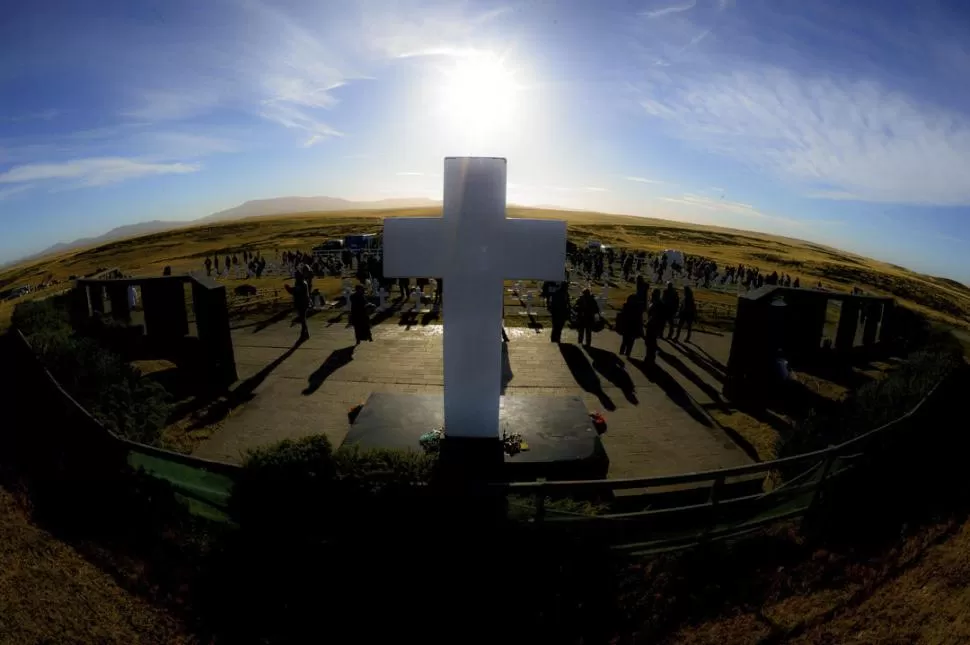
[[562, 443]]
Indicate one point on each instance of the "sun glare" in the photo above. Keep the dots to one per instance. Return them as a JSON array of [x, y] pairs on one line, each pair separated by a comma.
[[478, 95]]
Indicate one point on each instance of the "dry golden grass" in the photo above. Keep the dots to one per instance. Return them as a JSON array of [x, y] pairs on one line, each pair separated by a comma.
[[917, 591], [185, 249], [50, 594]]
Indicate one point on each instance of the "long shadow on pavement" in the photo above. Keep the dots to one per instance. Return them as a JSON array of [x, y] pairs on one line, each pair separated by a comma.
[[584, 374], [244, 391], [713, 367], [702, 359], [674, 390], [506, 367], [705, 387], [613, 370], [337, 359]]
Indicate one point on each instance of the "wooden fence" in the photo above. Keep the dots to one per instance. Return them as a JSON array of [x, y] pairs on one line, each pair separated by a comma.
[[205, 486]]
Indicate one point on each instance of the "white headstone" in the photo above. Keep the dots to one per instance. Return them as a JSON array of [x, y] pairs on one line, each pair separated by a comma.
[[382, 294], [473, 247], [347, 291], [417, 294]]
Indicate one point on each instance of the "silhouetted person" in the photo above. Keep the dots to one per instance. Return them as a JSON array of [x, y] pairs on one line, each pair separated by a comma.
[[642, 288], [301, 302], [228, 263], [629, 324], [438, 289], [167, 271], [671, 303], [688, 314], [208, 266], [586, 312], [656, 319], [559, 310], [797, 283], [404, 284], [358, 315]]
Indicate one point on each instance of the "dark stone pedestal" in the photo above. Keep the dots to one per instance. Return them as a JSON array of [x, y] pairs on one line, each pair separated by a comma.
[[563, 445]]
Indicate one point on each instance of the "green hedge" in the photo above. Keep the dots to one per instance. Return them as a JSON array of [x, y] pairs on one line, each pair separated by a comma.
[[304, 487], [112, 390]]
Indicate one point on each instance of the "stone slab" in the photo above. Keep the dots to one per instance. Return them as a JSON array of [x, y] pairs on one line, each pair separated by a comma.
[[562, 441]]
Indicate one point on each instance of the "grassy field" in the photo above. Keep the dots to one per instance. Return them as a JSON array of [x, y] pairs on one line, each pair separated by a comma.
[[51, 594], [185, 249]]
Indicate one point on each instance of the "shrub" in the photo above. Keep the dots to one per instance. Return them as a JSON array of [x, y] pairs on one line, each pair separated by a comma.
[[282, 487], [97, 378], [41, 317], [303, 487], [874, 404]]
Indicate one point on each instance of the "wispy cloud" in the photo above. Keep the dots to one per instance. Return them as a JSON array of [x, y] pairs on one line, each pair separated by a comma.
[[410, 174], [409, 29], [595, 189], [643, 180], [94, 171], [10, 191], [299, 119], [42, 115], [174, 104], [749, 212], [674, 8], [836, 138]]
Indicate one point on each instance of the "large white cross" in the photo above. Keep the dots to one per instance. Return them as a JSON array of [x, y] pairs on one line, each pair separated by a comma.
[[473, 247]]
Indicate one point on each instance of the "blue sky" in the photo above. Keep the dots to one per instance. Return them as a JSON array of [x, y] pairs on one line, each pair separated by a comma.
[[846, 123]]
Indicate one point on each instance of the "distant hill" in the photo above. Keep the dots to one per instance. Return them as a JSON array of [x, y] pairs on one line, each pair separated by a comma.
[[119, 233], [256, 207], [284, 205]]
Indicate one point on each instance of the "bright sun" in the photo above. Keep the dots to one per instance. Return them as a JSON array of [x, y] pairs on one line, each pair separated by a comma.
[[478, 95]]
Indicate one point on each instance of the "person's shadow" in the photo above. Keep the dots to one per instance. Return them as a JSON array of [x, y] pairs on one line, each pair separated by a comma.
[[506, 367], [674, 390], [337, 359], [612, 369], [584, 374]]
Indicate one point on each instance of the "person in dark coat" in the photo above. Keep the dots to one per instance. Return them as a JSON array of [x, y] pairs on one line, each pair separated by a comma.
[[301, 302], [688, 314], [559, 310], [359, 317], [439, 287], [656, 319], [586, 312], [643, 287], [208, 266], [630, 324], [671, 303], [404, 284]]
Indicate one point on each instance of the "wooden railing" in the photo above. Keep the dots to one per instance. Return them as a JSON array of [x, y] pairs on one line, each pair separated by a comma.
[[207, 485]]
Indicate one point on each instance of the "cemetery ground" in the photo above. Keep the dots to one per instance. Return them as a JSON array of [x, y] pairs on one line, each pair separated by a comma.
[[897, 571], [889, 564], [185, 249]]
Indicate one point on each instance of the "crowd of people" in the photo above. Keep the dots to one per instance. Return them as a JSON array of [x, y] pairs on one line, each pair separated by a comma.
[[253, 262], [645, 314], [637, 318]]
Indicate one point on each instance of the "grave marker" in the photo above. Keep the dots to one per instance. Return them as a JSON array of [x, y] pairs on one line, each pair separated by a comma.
[[475, 247]]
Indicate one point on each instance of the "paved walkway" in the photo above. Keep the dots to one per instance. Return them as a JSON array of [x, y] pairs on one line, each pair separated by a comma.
[[656, 419]]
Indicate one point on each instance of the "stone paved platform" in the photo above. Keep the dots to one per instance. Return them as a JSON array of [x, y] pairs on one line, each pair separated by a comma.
[[656, 420]]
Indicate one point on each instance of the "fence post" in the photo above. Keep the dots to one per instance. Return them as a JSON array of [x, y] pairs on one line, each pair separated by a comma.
[[812, 510], [713, 501], [540, 503]]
